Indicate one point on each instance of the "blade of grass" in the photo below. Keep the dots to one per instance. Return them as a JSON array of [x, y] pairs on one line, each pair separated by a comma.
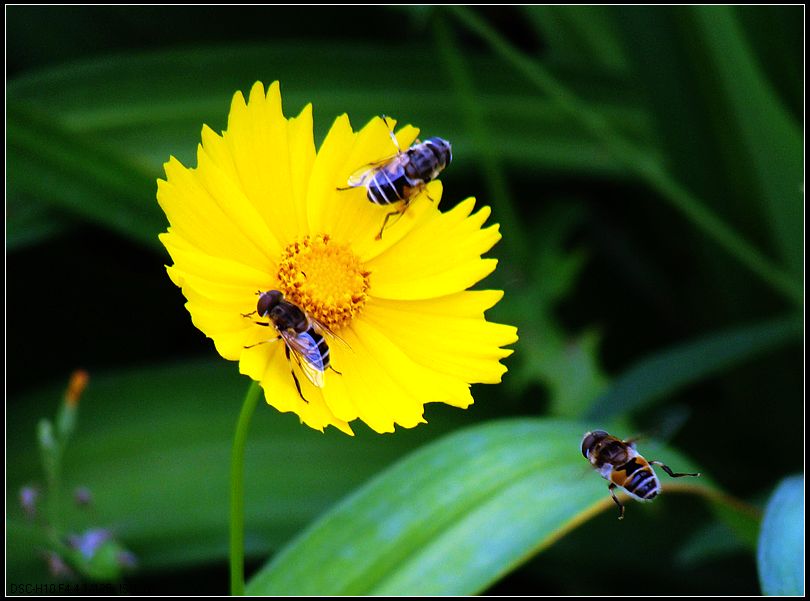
[[153, 446], [663, 373], [453, 517], [80, 177], [765, 135], [515, 242], [118, 118], [580, 35], [635, 161], [29, 222]]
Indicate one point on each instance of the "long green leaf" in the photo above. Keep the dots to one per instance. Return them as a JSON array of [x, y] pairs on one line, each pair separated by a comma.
[[768, 141], [780, 556], [96, 149], [29, 222], [453, 517], [648, 168], [724, 129], [153, 445], [581, 35], [665, 372], [567, 364], [88, 180]]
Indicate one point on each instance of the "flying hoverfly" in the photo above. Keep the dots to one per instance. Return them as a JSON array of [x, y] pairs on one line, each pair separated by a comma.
[[620, 464]]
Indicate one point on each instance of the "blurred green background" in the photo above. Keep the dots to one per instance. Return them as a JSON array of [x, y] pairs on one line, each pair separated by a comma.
[[645, 165]]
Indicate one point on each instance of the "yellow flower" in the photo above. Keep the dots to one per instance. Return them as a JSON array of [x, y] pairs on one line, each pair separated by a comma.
[[263, 211]]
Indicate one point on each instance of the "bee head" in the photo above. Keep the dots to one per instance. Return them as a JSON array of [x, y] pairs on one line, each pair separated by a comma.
[[591, 439], [268, 300], [441, 146]]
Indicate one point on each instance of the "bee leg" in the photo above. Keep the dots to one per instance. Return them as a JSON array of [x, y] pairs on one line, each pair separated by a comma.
[[669, 471], [336, 371], [247, 314], [263, 341], [387, 217], [298, 386], [295, 378], [611, 486], [391, 132]]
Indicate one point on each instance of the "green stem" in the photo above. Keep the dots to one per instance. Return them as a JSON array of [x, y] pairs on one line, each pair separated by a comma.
[[634, 159], [238, 490], [473, 114]]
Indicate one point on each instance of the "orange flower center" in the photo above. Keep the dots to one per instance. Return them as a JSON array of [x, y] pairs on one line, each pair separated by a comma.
[[325, 279]]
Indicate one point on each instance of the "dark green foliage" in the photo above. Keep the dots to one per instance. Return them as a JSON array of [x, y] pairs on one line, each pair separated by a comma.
[[645, 164]]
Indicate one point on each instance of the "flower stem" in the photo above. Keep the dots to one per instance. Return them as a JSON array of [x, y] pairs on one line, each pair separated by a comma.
[[238, 490]]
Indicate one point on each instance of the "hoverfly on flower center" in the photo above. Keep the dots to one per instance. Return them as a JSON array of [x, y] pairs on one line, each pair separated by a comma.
[[303, 337]]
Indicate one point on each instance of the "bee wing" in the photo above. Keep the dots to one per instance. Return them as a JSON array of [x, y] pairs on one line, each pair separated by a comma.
[[323, 329], [305, 350], [359, 177], [362, 175]]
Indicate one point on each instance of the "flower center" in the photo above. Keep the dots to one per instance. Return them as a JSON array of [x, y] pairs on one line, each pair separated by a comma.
[[325, 279]]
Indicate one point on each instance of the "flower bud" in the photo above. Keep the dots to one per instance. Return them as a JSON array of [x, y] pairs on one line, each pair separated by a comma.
[[82, 496], [29, 496], [98, 556]]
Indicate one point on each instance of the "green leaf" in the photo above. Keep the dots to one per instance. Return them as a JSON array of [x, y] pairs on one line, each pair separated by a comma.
[[662, 373], [84, 178], [153, 446], [715, 540], [567, 364], [96, 149], [584, 36], [29, 222], [768, 142], [636, 159], [725, 131], [453, 517], [780, 556]]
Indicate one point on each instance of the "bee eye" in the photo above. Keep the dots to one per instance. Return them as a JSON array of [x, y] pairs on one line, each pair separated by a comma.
[[262, 304], [268, 300], [590, 440], [587, 443]]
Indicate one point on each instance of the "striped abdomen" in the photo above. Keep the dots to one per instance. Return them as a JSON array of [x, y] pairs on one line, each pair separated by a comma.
[[323, 348], [637, 478], [409, 171], [387, 186]]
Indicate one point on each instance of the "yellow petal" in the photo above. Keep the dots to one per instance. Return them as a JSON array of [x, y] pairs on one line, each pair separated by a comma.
[[302, 157], [467, 348], [235, 205], [402, 386], [377, 399], [257, 140], [322, 191], [198, 218], [268, 365], [440, 257], [216, 268]]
